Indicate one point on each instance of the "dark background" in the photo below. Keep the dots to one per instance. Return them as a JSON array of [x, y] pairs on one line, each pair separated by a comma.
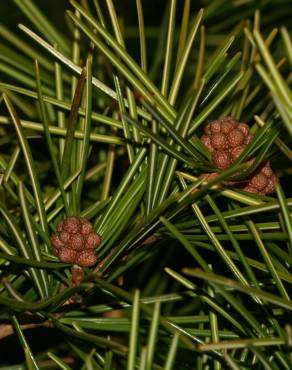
[[274, 12]]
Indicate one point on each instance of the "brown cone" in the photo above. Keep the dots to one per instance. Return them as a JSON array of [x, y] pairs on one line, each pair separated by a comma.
[[226, 139], [263, 181], [75, 241]]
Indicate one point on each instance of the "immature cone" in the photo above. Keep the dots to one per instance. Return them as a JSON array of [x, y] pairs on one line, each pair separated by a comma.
[[75, 242], [263, 181], [226, 139]]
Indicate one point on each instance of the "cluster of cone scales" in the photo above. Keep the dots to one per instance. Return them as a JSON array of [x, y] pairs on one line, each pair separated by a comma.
[[75, 241], [226, 138]]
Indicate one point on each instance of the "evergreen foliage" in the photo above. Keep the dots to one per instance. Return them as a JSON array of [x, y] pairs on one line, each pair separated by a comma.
[[101, 118]]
